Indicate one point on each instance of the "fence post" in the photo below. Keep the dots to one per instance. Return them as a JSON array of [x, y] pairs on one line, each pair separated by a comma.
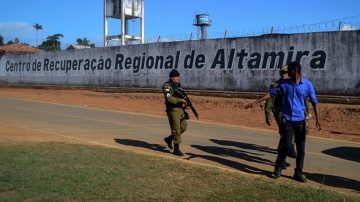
[[340, 26]]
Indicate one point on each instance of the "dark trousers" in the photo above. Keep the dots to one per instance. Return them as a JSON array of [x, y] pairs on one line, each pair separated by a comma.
[[288, 129], [278, 118]]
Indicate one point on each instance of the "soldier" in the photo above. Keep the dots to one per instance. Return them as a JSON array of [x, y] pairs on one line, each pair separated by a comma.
[[274, 105], [175, 112]]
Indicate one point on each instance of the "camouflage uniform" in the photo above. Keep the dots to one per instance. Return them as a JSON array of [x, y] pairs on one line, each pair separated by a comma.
[[174, 111]]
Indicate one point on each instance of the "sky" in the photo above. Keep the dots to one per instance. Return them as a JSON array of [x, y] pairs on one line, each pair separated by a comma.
[[168, 18]]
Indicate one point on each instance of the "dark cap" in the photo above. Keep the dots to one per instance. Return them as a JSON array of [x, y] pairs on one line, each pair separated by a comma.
[[174, 73]]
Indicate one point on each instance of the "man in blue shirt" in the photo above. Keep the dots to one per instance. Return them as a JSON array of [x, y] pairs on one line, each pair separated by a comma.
[[294, 91], [274, 105]]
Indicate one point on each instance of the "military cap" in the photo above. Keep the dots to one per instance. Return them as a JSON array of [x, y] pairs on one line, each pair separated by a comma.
[[284, 69]]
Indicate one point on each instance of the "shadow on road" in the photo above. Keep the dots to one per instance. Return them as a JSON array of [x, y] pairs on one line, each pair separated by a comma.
[[348, 153], [241, 151], [245, 146], [231, 164], [334, 181], [138, 143], [341, 132], [237, 153]]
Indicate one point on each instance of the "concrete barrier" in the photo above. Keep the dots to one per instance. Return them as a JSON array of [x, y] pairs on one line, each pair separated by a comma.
[[329, 59]]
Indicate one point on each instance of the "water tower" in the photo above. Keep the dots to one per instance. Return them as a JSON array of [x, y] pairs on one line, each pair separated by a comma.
[[124, 10], [202, 21]]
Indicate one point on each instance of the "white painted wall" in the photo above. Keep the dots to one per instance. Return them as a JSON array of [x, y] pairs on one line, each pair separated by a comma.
[[331, 62]]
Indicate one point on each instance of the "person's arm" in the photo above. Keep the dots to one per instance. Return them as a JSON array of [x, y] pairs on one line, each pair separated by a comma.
[[315, 105], [272, 92], [263, 98], [307, 108], [316, 112], [269, 104], [168, 93]]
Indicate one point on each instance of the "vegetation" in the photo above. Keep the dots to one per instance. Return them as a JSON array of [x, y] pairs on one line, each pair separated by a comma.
[[1, 40], [52, 43], [37, 27], [16, 41], [84, 42], [54, 171]]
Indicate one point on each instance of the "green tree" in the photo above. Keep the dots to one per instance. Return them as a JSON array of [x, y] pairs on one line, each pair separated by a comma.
[[17, 40], [84, 42], [52, 43], [1, 40], [37, 27]]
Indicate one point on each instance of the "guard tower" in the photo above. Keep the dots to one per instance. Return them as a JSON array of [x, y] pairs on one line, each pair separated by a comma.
[[202, 21], [124, 10]]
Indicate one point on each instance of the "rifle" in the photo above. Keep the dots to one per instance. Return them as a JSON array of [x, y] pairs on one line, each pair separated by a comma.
[[181, 93]]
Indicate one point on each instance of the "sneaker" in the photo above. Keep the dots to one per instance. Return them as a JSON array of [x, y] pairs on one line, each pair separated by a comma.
[[168, 141], [300, 178], [285, 165], [277, 172]]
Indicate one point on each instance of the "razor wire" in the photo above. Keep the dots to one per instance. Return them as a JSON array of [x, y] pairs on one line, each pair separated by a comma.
[[342, 24]]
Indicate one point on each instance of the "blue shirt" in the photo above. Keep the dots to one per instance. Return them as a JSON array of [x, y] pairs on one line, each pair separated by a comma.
[[294, 97]]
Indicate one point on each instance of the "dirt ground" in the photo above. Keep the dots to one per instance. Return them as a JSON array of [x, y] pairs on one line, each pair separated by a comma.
[[338, 121]]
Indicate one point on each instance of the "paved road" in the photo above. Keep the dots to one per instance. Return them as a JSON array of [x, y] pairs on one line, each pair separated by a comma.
[[332, 163]]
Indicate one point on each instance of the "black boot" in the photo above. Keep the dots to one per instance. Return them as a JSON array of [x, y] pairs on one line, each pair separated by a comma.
[[299, 177], [177, 151], [277, 172], [168, 141], [285, 165]]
